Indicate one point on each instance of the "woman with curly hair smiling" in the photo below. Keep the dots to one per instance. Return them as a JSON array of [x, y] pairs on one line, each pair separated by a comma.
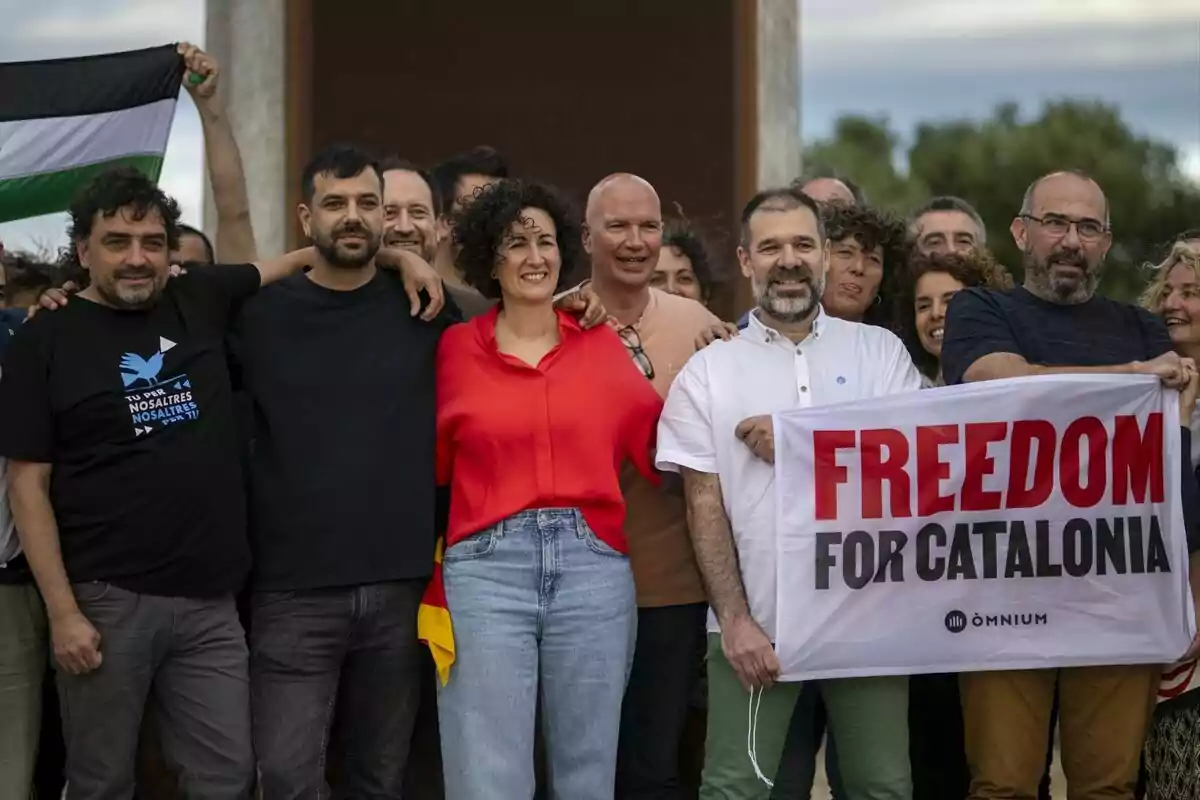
[[926, 287], [1172, 751], [535, 417]]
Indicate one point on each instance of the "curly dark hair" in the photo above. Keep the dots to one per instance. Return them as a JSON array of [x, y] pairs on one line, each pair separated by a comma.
[[108, 193], [871, 227], [444, 177], [681, 234], [976, 268], [482, 226]]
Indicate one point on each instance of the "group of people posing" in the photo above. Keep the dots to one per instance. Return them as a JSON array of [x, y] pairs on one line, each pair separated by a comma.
[[230, 484]]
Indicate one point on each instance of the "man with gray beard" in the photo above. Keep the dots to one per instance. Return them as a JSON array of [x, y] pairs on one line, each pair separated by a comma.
[[1054, 324], [790, 355]]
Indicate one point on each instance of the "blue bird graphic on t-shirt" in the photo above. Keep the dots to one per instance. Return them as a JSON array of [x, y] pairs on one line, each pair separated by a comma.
[[135, 368]]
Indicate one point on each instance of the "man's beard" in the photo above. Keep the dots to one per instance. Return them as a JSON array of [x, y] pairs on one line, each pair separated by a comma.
[[129, 299], [789, 308], [1040, 277], [337, 256]]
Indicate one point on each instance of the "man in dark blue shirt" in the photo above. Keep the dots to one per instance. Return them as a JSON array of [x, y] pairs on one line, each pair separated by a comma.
[[1056, 323]]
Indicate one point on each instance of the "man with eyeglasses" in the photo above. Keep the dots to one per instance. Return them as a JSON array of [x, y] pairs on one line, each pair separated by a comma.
[[1056, 323], [623, 235]]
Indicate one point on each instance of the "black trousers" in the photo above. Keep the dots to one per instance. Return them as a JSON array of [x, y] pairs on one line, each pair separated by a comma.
[[667, 663], [49, 775]]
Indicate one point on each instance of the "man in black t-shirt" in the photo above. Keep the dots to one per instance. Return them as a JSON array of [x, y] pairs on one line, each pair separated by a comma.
[[1056, 323], [116, 417], [340, 375]]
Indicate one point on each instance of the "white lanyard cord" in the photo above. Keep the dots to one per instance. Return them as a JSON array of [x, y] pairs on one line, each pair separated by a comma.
[[752, 735]]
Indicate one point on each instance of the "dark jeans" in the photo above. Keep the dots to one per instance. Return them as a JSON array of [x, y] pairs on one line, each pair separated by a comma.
[[336, 669], [936, 747], [667, 662], [423, 774], [188, 658]]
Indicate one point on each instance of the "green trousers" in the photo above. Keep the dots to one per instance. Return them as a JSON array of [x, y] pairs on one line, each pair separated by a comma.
[[22, 667], [867, 716]]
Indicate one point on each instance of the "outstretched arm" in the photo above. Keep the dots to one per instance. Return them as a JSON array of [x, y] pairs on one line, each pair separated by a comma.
[[235, 233], [275, 269]]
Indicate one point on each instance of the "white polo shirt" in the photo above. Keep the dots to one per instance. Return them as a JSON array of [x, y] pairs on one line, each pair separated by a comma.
[[760, 371]]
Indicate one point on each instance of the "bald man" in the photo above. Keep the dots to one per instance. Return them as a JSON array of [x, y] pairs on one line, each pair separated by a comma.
[[829, 190], [1057, 323], [623, 235]]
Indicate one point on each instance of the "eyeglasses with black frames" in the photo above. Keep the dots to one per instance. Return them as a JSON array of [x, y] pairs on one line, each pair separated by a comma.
[[633, 343], [1057, 225]]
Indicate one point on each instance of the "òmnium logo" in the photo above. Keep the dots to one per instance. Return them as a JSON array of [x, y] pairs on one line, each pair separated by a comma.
[[958, 621]]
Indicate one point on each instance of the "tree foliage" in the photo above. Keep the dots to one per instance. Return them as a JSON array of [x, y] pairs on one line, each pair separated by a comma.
[[991, 162]]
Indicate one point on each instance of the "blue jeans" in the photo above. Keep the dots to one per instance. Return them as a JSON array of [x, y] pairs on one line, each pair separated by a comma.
[[536, 596]]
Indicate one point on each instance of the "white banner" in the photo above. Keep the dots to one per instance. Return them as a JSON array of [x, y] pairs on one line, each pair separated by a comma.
[[1004, 525]]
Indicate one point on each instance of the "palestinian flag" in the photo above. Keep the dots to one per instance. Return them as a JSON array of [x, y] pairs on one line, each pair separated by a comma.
[[433, 620], [62, 122]]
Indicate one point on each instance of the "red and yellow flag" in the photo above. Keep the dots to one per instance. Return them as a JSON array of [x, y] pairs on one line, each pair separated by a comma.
[[433, 619]]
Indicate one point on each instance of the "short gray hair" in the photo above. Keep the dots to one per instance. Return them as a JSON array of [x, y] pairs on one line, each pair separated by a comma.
[[949, 203]]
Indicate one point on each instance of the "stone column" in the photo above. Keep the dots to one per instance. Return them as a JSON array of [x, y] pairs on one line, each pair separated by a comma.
[[778, 64], [247, 38]]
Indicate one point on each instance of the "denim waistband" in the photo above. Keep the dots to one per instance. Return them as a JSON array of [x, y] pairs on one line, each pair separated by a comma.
[[540, 517]]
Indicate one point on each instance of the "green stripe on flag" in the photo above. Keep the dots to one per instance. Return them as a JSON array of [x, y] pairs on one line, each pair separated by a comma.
[[49, 192]]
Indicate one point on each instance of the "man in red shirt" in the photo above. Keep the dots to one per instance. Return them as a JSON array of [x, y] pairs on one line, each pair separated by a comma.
[[623, 235]]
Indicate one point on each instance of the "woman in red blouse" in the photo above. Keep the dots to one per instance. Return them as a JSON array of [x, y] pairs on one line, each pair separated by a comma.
[[535, 418]]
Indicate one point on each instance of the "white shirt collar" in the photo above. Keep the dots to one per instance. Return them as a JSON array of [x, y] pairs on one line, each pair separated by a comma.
[[760, 331]]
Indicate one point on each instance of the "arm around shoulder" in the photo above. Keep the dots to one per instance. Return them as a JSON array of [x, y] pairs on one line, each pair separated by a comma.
[[275, 269]]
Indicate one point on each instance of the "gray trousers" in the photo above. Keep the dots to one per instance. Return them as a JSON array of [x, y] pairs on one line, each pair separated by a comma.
[[22, 665], [189, 659]]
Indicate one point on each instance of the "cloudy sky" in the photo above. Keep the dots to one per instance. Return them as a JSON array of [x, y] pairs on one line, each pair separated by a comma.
[[909, 60]]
